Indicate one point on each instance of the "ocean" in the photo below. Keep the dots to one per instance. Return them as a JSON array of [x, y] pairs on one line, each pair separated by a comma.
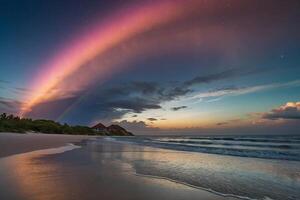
[[269, 147], [247, 167]]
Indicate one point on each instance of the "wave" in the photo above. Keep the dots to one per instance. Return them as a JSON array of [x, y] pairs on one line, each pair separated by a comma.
[[293, 139], [200, 188], [280, 146], [268, 148]]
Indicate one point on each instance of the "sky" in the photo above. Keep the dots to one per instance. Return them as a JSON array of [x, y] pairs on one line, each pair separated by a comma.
[[154, 66]]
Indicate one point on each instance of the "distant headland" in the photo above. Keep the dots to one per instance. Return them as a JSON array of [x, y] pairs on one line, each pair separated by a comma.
[[16, 124]]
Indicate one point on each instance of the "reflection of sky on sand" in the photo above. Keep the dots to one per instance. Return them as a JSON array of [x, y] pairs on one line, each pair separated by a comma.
[[121, 158], [106, 169], [224, 174], [88, 173], [35, 179]]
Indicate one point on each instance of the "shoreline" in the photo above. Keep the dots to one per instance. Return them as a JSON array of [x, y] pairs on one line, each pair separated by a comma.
[[59, 165], [16, 143], [195, 187], [124, 176]]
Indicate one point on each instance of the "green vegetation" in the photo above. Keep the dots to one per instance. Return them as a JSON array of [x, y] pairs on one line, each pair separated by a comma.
[[11, 123]]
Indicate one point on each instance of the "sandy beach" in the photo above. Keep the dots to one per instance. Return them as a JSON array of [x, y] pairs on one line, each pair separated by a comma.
[[60, 167], [88, 172], [15, 143]]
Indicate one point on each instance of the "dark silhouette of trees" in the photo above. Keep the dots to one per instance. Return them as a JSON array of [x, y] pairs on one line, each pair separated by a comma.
[[11, 123]]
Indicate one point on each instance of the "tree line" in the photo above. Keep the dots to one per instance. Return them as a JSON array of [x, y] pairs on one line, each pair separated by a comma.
[[11, 123]]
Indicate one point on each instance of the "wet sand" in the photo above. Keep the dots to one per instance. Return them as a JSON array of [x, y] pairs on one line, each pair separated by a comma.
[[89, 172], [15, 143]]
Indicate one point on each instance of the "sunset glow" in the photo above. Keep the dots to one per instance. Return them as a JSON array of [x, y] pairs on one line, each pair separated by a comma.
[[188, 65]]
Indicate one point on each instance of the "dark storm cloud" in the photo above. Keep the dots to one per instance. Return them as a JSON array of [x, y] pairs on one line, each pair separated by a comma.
[[107, 103], [111, 103], [288, 111], [176, 92], [136, 105], [139, 96], [145, 87], [178, 108], [135, 97]]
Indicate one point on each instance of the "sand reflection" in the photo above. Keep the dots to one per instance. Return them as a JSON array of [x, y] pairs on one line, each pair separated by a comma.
[[35, 179]]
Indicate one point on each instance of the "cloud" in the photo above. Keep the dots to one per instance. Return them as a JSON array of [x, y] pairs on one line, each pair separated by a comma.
[[144, 87], [221, 123], [151, 119], [230, 73], [135, 126], [136, 105], [211, 77], [290, 110], [112, 103], [134, 97], [178, 108], [230, 122], [173, 93], [235, 91], [7, 85], [9, 102], [9, 105], [4, 81], [107, 103], [21, 90], [139, 96]]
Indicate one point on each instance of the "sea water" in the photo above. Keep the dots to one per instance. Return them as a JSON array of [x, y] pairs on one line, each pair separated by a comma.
[[249, 167]]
